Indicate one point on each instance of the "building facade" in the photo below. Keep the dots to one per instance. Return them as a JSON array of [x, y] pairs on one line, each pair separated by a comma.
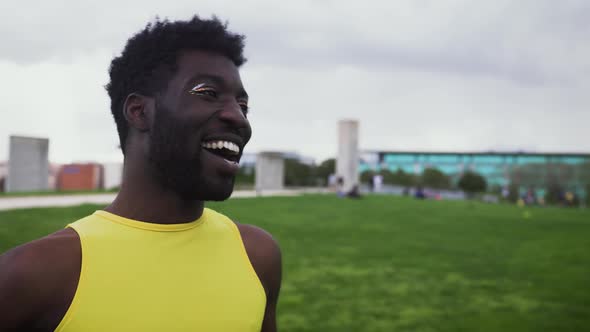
[[527, 170]]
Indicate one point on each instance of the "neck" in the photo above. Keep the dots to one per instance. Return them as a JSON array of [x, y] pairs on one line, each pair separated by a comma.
[[142, 198]]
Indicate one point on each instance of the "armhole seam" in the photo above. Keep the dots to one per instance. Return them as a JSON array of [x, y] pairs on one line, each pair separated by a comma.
[[74, 304], [242, 246]]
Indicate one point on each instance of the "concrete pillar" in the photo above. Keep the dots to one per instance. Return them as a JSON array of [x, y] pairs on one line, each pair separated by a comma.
[[28, 164], [348, 153], [270, 171]]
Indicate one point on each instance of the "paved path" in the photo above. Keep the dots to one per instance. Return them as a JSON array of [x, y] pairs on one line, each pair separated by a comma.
[[7, 203]]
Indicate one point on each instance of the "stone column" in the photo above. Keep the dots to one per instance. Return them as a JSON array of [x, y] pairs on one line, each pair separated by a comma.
[[270, 171], [28, 164], [348, 153]]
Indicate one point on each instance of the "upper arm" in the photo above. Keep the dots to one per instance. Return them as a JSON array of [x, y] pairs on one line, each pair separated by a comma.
[[34, 277], [265, 255], [17, 288]]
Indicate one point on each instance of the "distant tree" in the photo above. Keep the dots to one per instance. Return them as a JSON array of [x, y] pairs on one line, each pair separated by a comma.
[[388, 176], [513, 192], [584, 172], [245, 176], [472, 183], [325, 168], [434, 178], [543, 174], [496, 189], [299, 174], [403, 179], [585, 178], [367, 176], [554, 193]]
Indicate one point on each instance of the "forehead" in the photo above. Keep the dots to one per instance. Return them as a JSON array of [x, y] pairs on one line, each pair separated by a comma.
[[191, 64]]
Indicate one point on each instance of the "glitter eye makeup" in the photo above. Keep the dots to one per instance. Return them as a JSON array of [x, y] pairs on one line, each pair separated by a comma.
[[202, 89], [199, 88]]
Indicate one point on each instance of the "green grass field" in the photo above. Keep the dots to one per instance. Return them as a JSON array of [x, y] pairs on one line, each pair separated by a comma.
[[55, 193], [397, 264]]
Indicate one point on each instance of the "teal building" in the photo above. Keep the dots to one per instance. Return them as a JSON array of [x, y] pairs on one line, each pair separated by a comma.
[[527, 170]]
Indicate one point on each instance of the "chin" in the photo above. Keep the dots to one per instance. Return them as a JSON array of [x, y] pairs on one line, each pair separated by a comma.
[[219, 194], [209, 191]]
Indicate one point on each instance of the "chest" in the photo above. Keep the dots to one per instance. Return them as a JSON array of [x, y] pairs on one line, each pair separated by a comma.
[[165, 284]]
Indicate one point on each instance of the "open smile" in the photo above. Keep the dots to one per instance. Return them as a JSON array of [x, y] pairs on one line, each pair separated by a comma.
[[225, 149], [223, 154]]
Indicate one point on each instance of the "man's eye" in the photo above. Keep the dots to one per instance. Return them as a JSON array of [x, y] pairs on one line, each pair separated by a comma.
[[203, 91], [244, 106]]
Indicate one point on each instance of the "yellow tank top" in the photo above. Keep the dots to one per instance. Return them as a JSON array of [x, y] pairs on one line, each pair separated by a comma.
[[139, 276]]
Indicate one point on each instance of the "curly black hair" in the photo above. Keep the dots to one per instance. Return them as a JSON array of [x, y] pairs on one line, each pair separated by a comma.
[[149, 60]]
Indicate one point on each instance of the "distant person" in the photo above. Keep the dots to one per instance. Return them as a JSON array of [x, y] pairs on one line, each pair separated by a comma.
[[570, 198], [505, 193], [561, 197], [377, 183], [156, 259], [354, 192], [340, 187], [420, 194], [530, 197], [332, 181]]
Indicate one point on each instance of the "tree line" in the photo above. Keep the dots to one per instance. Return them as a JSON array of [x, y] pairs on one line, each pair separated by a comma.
[[470, 182], [558, 179], [297, 174]]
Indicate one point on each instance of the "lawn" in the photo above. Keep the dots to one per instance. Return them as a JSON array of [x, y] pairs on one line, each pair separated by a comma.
[[55, 193], [397, 264]]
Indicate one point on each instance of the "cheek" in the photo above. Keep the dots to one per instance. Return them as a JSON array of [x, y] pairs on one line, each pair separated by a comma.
[[198, 109]]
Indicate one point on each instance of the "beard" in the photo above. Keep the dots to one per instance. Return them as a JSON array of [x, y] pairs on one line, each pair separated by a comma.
[[176, 156], [177, 163]]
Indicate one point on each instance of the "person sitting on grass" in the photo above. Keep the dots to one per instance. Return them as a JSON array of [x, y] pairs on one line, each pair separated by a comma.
[[156, 259], [354, 192]]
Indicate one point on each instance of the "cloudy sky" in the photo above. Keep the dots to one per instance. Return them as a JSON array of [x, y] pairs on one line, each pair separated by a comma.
[[418, 74]]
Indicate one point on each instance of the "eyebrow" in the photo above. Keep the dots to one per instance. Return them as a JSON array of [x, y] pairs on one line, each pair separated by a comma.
[[218, 80]]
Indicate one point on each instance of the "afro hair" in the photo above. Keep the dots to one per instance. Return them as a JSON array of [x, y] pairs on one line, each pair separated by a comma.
[[149, 59]]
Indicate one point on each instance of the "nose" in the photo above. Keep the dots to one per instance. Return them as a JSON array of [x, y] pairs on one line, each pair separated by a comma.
[[232, 113], [234, 117]]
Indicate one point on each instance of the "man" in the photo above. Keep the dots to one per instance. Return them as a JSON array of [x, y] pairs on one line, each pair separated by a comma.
[[156, 259]]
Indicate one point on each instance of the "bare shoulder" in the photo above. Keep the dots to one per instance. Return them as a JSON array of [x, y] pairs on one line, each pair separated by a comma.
[[34, 275], [264, 254], [260, 244], [44, 252]]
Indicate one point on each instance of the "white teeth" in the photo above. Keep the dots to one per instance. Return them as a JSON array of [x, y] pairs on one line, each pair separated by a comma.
[[222, 145]]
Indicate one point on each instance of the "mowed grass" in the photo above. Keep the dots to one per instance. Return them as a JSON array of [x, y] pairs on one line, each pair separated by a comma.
[[396, 264]]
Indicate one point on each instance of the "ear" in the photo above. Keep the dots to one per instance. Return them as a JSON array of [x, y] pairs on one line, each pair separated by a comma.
[[139, 110]]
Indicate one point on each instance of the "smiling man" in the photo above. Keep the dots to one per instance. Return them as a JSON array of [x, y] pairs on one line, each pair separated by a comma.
[[156, 259]]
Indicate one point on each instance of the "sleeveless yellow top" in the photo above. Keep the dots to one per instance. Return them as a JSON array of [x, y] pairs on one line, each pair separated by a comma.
[[139, 276]]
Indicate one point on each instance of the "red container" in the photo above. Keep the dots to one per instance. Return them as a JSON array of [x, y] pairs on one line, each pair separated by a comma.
[[79, 177]]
